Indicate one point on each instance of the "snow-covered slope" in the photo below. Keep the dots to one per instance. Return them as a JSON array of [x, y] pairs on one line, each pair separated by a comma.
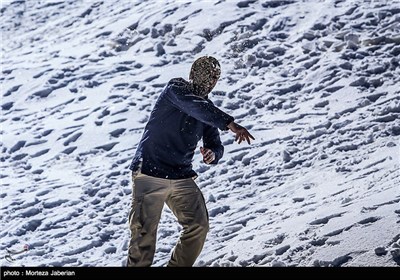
[[316, 82]]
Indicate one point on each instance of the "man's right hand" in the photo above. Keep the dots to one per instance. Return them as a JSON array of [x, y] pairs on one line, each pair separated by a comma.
[[241, 133]]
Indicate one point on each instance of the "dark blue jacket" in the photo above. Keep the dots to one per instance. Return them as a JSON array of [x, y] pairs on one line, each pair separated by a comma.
[[178, 121]]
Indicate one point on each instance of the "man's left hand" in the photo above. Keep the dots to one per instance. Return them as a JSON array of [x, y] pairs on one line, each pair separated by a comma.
[[208, 155]]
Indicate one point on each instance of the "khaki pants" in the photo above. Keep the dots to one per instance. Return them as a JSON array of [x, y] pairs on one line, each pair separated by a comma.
[[187, 203]]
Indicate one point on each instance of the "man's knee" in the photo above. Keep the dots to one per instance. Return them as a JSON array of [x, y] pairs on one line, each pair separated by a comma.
[[201, 226], [204, 225], [202, 221]]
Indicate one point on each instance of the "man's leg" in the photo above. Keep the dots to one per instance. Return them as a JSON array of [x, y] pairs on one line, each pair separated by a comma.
[[187, 203], [148, 197]]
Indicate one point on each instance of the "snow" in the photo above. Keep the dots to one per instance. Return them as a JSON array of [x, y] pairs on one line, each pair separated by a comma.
[[316, 83]]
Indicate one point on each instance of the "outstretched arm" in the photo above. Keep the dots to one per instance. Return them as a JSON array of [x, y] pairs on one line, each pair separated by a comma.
[[198, 108], [241, 133]]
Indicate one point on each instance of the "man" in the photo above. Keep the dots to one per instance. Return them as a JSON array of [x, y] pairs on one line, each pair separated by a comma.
[[162, 166]]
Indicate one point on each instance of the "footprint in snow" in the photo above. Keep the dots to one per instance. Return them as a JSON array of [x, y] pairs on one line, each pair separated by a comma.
[[337, 262], [369, 220], [326, 219]]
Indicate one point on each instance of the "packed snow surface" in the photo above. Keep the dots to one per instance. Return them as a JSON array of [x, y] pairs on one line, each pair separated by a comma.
[[316, 82]]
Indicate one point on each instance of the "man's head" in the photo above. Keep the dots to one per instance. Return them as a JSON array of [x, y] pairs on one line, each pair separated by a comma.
[[204, 74]]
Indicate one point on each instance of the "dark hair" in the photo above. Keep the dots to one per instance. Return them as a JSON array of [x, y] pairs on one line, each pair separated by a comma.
[[205, 71]]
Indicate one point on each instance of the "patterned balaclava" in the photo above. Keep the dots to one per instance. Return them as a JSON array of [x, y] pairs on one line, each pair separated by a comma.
[[204, 75]]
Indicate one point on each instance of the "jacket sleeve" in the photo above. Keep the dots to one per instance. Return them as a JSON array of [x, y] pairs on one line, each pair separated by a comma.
[[212, 141], [198, 108]]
